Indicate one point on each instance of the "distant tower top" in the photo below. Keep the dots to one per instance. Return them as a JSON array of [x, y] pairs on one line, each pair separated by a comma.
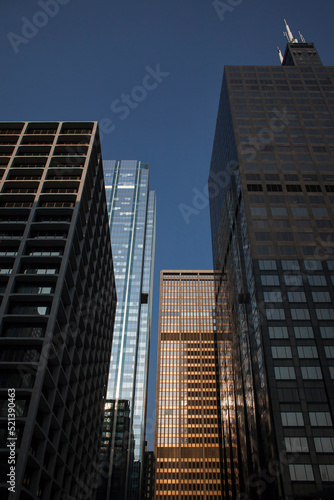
[[289, 33], [298, 52]]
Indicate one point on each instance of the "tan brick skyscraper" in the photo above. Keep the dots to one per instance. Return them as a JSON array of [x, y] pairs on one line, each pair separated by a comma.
[[188, 429]]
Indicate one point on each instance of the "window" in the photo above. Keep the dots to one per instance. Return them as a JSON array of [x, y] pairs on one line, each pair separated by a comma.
[[260, 223], [263, 236], [296, 296], [302, 223], [303, 332], [288, 395], [34, 289], [327, 332], [287, 250], [324, 444], [330, 265], [296, 444], [258, 211], [290, 265], [311, 372], [300, 314], [278, 332], [321, 297], [315, 280], [254, 187], [269, 280], [313, 265], [315, 394], [278, 211], [5, 270], [320, 419], [293, 280], [299, 211], [268, 265], [325, 314], [23, 331], [292, 419], [301, 472], [275, 314], [281, 352], [320, 212], [265, 249], [274, 296], [327, 473], [35, 270], [307, 351], [282, 223], [27, 308], [284, 372], [329, 350], [285, 236]]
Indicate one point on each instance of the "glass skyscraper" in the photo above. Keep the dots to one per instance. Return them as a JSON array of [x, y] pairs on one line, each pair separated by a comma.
[[272, 172], [131, 209]]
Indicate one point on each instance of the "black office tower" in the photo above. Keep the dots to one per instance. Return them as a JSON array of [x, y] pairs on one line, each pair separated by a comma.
[[57, 310], [271, 188]]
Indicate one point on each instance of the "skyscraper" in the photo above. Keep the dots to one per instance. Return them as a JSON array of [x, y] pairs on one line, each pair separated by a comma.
[[193, 389], [131, 208], [272, 185], [58, 303]]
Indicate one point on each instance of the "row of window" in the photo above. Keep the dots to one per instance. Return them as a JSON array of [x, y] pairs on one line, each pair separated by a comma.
[[300, 444], [299, 314], [294, 265], [296, 419], [276, 296], [295, 280], [288, 372], [301, 332], [304, 472]]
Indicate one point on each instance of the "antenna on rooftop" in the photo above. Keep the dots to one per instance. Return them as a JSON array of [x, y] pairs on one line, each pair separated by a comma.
[[280, 55], [289, 35], [302, 39]]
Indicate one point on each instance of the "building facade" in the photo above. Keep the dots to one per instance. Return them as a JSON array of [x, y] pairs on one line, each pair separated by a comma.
[[192, 367], [58, 302], [131, 209], [148, 486], [271, 209]]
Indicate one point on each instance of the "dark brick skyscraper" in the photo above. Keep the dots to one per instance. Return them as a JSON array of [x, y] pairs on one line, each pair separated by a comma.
[[273, 234], [58, 305]]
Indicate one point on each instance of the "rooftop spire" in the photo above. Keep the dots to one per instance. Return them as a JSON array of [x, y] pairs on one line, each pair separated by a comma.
[[280, 55], [289, 36], [302, 39]]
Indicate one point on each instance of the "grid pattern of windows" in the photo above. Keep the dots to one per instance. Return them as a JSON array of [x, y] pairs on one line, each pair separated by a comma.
[[187, 416], [58, 301], [272, 232], [132, 210]]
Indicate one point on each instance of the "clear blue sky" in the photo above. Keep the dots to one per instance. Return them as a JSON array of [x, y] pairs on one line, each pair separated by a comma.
[[84, 55]]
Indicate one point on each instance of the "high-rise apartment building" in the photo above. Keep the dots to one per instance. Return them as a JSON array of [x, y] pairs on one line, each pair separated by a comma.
[[57, 311], [272, 185], [131, 209], [194, 384]]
